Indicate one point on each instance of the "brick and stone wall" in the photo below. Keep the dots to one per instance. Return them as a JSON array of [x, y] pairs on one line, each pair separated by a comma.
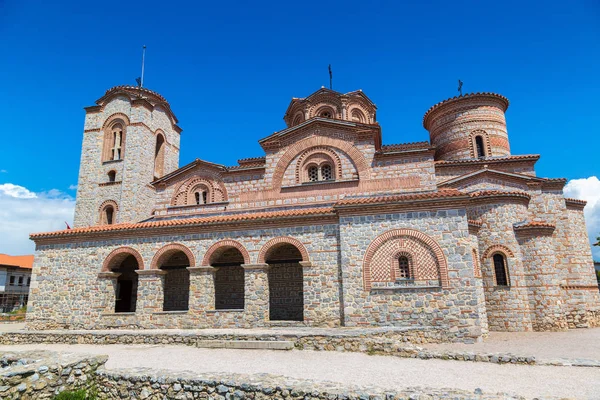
[[66, 297], [134, 171], [453, 303]]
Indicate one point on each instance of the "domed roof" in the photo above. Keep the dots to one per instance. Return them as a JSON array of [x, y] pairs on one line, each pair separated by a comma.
[[467, 96]]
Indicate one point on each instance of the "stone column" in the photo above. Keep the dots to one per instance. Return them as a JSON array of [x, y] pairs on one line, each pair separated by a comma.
[[202, 289], [107, 282], [150, 292], [256, 298]]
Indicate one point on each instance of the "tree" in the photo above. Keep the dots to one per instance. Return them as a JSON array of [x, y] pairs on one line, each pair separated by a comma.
[[597, 242]]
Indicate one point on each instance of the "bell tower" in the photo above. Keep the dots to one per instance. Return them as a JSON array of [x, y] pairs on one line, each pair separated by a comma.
[[130, 139]]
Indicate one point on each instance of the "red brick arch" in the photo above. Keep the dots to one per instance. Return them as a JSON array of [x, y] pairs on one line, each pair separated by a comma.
[[361, 164], [224, 244], [117, 256], [278, 240], [433, 246], [497, 248], [167, 251]]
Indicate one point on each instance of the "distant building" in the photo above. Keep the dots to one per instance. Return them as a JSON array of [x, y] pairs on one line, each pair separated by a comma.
[[15, 279]]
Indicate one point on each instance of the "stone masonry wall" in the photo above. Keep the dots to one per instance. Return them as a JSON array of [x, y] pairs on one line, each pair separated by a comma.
[[507, 306], [44, 374], [454, 307], [66, 291]]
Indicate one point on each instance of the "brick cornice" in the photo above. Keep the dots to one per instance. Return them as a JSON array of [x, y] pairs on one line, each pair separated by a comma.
[[575, 204]]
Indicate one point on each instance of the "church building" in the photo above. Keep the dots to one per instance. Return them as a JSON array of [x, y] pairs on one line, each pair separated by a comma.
[[328, 228]]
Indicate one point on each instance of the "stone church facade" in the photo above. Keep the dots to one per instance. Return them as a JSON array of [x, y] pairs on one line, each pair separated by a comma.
[[329, 227]]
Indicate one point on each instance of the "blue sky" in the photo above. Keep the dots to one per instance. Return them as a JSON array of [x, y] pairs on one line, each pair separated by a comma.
[[229, 70]]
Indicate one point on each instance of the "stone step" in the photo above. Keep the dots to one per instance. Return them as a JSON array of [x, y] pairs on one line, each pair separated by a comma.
[[292, 324], [247, 344]]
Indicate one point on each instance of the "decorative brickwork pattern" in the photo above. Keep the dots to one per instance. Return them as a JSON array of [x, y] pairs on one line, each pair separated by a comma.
[[169, 250], [218, 248], [428, 259], [273, 243], [498, 248], [116, 257], [299, 147], [318, 155]]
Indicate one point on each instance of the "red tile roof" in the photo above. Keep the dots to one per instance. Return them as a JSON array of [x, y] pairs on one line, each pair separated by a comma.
[[490, 193], [17, 261], [220, 219], [535, 224], [576, 201], [445, 193], [404, 146], [524, 157]]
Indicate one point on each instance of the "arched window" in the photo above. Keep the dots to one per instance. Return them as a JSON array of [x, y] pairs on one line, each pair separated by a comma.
[[112, 175], [404, 267], [108, 213], [313, 173], [479, 147], [116, 142], [357, 116], [500, 269], [326, 114], [201, 197], [159, 156], [326, 174], [319, 173]]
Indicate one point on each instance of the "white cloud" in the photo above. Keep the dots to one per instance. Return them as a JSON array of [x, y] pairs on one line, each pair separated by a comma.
[[3, 171], [588, 189], [16, 191], [23, 212], [72, 187]]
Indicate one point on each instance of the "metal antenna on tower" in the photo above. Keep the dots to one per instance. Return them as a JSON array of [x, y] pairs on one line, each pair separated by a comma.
[[460, 83], [143, 58], [330, 78], [140, 80]]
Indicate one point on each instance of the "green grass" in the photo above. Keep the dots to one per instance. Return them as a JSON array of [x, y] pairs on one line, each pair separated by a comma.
[[81, 394]]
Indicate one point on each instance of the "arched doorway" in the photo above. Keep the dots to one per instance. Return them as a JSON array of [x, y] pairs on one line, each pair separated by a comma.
[[286, 283], [229, 278], [176, 289], [127, 284]]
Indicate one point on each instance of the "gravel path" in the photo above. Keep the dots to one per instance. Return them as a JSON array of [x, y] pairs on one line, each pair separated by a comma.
[[576, 343], [352, 368]]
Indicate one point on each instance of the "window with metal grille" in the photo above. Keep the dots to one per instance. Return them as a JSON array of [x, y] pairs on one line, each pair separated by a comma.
[[326, 172], [313, 174], [404, 267], [500, 270]]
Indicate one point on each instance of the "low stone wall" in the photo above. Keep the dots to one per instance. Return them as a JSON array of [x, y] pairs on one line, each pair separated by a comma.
[[43, 374], [149, 384], [316, 338]]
